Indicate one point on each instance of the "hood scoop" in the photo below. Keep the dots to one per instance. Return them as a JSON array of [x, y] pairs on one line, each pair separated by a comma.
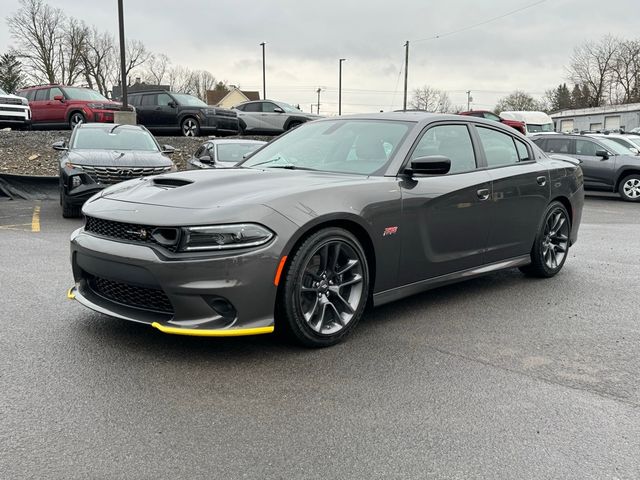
[[171, 182]]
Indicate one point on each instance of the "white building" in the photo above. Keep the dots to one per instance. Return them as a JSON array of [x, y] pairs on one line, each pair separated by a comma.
[[609, 117]]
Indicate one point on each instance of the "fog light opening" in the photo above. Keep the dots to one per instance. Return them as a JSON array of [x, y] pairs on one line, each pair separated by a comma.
[[222, 307]]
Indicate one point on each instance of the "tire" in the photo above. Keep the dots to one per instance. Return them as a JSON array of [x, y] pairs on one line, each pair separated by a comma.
[[293, 125], [629, 188], [324, 295], [76, 119], [68, 210], [551, 246], [190, 127]]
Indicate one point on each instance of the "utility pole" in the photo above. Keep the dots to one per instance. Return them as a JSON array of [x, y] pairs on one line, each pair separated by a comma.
[[318, 107], [264, 76], [406, 74], [340, 85], [123, 75], [469, 100]]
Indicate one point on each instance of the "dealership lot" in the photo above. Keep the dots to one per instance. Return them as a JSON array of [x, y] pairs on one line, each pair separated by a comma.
[[498, 377]]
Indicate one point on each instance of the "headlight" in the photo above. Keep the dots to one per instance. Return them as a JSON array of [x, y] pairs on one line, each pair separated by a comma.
[[209, 111], [24, 101], [223, 237], [97, 106]]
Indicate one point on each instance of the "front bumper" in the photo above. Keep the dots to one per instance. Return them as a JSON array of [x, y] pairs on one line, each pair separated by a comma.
[[199, 289]]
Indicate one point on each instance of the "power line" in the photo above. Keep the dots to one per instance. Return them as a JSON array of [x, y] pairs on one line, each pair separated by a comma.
[[484, 22]]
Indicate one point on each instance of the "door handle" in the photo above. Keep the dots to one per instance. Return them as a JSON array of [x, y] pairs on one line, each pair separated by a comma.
[[483, 194], [542, 180]]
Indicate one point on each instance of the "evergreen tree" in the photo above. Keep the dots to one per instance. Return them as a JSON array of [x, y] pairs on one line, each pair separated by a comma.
[[10, 73], [563, 97], [576, 97]]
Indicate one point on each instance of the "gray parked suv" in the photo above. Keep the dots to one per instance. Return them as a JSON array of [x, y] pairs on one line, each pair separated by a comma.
[[606, 164], [270, 117]]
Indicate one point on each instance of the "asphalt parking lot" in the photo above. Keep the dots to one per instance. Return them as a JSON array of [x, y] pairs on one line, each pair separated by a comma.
[[501, 377]]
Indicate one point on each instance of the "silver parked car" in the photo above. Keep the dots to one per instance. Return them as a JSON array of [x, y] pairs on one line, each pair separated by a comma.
[[222, 153], [270, 117]]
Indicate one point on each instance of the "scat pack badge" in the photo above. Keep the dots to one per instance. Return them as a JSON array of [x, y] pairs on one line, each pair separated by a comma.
[[389, 231]]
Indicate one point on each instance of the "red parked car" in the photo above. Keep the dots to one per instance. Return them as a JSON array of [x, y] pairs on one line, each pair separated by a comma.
[[60, 105], [492, 116]]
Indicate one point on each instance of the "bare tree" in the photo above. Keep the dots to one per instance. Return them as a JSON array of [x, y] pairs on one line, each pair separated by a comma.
[[517, 100], [592, 64], [626, 71], [71, 51], [37, 30], [136, 56], [157, 69], [431, 100], [99, 60]]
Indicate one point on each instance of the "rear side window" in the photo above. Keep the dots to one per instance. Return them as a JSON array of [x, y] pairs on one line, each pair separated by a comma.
[[134, 100], [148, 100], [452, 141], [253, 107], [558, 145], [42, 94], [499, 148], [523, 151]]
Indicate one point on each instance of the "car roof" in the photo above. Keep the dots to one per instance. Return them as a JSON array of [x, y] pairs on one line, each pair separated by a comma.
[[221, 141], [109, 126]]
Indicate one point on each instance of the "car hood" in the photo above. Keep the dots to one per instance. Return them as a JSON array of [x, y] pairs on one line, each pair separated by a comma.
[[227, 187], [112, 158]]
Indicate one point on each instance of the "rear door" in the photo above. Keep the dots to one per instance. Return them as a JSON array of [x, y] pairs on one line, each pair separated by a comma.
[[520, 193], [146, 110], [598, 171], [39, 105], [445, 218]]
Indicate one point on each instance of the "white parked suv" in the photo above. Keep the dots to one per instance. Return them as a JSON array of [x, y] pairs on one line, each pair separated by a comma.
[[14, 110]]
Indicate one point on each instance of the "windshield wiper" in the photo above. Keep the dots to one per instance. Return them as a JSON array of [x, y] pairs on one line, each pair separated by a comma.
[[271, 160]]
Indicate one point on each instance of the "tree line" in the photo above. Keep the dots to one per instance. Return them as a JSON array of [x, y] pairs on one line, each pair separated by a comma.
[[52, 47]]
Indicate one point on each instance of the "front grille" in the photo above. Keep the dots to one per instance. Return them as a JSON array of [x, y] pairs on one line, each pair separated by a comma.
[[12, 109], [11, 101], [111, 175], [131, 295], [12, 118], [130, 232]]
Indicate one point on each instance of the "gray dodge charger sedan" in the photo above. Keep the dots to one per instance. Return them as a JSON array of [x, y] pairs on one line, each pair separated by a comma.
[[330, 217]]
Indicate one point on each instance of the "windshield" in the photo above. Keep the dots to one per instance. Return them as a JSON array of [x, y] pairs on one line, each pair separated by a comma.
[[75, 93], [2, 92], [343, 146], [287, 108], [116, 138], [235, 152], [615, 147], [546, 127], [189, 100]]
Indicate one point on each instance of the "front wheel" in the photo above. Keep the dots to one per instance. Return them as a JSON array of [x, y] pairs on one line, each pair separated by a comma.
[[551, 246], [630, 188], [326, 288], [76, 119], [190, 127]]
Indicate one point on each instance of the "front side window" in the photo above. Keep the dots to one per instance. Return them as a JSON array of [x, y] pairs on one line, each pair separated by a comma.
[[164, 99], [189, 100], [268, 107], [120, 137], [586, 147], [362, 147], [451, 141], [76, 93], [54, 92], [499, 148]]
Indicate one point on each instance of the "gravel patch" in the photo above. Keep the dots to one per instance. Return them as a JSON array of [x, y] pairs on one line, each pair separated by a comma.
[[29, 152]]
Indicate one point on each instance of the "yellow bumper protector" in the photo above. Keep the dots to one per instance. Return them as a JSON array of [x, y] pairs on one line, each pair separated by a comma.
[[70, 294], [195, 332]]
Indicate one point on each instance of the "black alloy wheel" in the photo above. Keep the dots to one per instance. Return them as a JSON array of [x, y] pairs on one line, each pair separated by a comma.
[[326, 288], [551, 246], [76, 119], [190, 127], [293, 125]]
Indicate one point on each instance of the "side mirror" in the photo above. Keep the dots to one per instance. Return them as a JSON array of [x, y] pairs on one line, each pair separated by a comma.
[[602, 153], [59, 98], [172, 104], [278, 110], [60, 145], [168, 149], [206, 159], [635, 150], [431, 165]]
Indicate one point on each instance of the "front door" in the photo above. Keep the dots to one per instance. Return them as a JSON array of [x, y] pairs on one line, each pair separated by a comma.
[[55, 110], [445, 219], [273, 120], [165, 111], [598, 171], [521, 193]]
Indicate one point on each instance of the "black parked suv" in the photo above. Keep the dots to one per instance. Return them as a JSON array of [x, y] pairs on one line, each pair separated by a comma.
[[606, 164], [163, 111]]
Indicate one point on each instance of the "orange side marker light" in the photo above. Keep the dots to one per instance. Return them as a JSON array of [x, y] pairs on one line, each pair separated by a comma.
[[276, 280]]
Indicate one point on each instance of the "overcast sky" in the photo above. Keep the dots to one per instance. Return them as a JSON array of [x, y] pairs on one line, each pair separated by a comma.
[[527, 50]]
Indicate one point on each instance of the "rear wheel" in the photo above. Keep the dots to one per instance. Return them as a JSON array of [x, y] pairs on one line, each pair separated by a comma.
[[326, 288], [190, 127], [630, 188], [76, 119], [551, 246]]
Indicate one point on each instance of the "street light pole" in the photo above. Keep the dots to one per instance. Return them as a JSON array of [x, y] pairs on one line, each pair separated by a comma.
[[469, 100], [264, 76], [123, 74], [340, 85], [406, 74], [318, 106]]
